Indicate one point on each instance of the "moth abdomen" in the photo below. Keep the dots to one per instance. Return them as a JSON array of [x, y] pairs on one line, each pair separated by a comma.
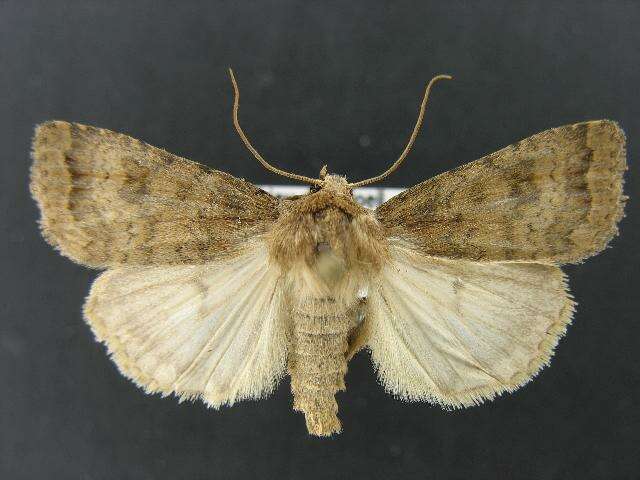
[[317, 361]]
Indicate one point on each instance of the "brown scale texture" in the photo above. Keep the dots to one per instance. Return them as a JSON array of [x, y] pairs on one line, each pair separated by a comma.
[[553, 197], [108, 199], [317, 362]]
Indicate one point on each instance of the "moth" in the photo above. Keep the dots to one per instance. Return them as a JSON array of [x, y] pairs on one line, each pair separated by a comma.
[[215, 290]]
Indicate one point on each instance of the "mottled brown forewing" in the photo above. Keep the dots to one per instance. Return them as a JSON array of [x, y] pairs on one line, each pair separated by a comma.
[[553, 197], [108, 199]]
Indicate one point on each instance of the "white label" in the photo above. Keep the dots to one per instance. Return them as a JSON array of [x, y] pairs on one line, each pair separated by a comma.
[[369, 197]]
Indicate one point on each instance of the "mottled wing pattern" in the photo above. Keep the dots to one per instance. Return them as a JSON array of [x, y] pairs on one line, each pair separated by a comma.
[[553, 197], [458, 332], [107, 199], [211, 331]]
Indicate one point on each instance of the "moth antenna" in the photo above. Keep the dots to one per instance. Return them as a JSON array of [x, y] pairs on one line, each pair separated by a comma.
[[412, 138], [265, 164]]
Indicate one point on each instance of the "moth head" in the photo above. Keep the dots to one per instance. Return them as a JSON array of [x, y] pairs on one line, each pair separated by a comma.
[[335, 184], [329, 181]]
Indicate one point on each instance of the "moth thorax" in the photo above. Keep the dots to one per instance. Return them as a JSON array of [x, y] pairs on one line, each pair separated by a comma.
[[326, 248], [329, 266]]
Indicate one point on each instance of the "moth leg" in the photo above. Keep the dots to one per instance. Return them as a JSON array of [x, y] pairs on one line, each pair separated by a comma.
[[359, 335]]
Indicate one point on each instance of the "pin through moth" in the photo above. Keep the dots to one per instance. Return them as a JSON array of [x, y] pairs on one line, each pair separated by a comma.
[[214, 289]]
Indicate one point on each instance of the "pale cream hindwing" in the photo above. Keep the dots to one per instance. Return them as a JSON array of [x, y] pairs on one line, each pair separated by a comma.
[[459, 332], [211, 331]]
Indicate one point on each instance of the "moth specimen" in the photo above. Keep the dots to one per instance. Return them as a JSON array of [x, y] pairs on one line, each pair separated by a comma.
[[214, 289]]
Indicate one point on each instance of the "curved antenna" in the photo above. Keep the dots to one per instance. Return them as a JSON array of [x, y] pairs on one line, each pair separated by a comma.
[[265, 164], [412, 138]]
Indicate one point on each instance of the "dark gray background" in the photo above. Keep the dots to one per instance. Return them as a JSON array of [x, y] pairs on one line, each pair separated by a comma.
[[316, 77]]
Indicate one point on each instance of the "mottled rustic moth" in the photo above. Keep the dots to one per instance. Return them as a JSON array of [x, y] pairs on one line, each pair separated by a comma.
[[214, 289]]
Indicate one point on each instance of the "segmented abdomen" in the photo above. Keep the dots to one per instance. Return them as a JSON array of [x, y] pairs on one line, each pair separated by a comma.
[[317, 361]]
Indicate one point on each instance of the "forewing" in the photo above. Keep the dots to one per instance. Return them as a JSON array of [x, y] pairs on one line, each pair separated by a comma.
[[107, 199], [211, 331], [458, 332], [556, 197]]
